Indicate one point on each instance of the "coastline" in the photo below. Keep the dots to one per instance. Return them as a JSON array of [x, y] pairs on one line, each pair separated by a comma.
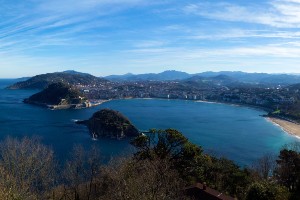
[[287, 126], [256, 107], [92, 103], [291, 128], [236, 104]]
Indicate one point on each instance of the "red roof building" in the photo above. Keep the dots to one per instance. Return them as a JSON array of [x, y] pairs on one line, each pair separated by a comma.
[[202, 192]]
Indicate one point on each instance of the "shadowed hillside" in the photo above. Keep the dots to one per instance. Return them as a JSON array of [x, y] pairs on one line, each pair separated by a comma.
[[57, 94]]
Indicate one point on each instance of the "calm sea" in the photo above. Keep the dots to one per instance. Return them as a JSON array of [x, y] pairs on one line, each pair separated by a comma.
[[238, 133]]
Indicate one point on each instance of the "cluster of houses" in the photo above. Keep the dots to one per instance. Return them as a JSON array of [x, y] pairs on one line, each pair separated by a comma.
[[177, 90]]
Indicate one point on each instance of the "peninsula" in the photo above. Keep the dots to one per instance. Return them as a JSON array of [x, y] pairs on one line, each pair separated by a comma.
[[59, 96]]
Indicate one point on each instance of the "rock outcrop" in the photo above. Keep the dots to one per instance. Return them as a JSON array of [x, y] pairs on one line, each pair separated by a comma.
[[110, 123]]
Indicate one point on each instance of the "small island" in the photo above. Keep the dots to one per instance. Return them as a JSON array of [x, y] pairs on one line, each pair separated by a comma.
[[59, 96], [111, 124]]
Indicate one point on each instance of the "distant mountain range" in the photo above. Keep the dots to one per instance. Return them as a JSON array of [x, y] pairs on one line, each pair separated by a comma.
[[163, 76], [232, 76], [225, 78]]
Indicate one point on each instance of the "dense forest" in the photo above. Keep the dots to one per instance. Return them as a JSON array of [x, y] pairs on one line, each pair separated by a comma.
[[163, 165]]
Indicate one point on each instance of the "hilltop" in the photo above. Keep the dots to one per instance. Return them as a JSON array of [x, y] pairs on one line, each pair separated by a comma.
[[59, 96], [163, 76], [68, 77], [237, 76], [223, 77], [110, 123]]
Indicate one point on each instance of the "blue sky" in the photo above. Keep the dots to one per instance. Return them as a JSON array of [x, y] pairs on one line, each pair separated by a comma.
[[105, 37]]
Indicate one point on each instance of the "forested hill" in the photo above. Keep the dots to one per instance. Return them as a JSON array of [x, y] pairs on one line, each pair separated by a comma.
[[110, 123], [55, 94], [44, 80]]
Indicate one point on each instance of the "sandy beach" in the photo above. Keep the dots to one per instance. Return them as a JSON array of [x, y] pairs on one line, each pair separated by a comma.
[[289, 127]]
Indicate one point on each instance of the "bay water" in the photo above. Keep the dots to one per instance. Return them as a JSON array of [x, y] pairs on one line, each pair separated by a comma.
[[238, 133]]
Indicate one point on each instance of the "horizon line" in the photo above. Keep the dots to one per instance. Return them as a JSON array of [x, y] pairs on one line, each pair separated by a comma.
[[212, 71]]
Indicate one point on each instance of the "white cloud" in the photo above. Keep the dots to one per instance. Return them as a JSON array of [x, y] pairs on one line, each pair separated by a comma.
[[241, 33], [279, 51], [276, 13], [93, 33], [149, 43]]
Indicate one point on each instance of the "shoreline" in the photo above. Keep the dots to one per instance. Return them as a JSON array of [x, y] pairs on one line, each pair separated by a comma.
[[287, 126], [256, 107], [236, 104], [91, 104]]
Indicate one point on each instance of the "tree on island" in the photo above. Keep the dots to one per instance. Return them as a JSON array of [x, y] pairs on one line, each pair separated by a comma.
[[110, 123]]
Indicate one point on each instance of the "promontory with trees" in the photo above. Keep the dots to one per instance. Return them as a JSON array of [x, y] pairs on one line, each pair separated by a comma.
[[59, 96]]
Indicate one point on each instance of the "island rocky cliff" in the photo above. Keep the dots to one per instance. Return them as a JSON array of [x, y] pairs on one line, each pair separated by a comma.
[[59, 96], [110, 123]]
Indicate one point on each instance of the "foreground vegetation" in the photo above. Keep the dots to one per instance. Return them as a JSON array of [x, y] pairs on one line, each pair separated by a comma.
[[165, 163]]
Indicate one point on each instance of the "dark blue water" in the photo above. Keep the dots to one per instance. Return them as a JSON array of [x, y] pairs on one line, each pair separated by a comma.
[[54, 128], [238, 133]]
